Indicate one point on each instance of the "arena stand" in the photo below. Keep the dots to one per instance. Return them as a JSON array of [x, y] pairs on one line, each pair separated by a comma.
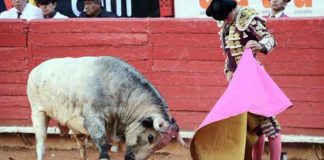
[[180, 56]]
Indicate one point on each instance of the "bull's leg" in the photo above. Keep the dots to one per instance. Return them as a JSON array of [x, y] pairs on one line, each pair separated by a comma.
[[40, 122], [115, 139], [76, 125], [96, 127], [81, 141]]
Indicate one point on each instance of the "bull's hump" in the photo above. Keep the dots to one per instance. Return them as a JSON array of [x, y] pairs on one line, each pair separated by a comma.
[[87, 61]]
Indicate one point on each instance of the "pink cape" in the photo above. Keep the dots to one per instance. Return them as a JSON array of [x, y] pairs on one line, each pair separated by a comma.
[[226, 133], [251, 90]]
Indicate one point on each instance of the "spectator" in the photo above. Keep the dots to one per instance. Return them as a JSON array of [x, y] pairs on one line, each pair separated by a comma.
[[22, 10], [48, 9], [244, 28], [94, 8], [277, 8]]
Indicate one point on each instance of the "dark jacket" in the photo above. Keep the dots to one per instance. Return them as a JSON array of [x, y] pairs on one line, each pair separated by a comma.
[[102, 14]]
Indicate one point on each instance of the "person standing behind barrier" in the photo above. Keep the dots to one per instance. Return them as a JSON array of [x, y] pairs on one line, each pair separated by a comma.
[[94, 8], [244, 28], [48, 9], [22, 10], [278, 8]]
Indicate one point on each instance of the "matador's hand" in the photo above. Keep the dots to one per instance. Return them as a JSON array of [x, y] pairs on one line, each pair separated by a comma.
[[254, 45], [229, 75]]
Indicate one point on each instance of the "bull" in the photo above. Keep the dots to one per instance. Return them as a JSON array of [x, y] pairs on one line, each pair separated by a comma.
[[103, 97]]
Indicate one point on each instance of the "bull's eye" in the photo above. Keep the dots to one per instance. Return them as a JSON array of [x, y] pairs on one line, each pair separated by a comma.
[[150, 138]]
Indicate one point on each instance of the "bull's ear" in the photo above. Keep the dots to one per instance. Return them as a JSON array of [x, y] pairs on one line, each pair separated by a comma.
[[147, 122]]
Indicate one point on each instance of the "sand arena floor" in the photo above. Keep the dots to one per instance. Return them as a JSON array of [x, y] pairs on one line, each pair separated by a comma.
[[22, 147]]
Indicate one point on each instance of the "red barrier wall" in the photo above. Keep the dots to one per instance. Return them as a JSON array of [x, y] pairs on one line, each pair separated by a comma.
[[180, 56]]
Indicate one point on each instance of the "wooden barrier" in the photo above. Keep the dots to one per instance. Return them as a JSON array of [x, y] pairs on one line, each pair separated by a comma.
[[180, 56]]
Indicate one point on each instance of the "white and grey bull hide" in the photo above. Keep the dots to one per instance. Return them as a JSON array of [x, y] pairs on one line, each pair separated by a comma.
[[103, 97]]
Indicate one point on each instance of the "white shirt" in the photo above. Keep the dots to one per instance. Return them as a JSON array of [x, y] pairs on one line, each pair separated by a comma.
[[59, 15], [29, 12], [279, 14]]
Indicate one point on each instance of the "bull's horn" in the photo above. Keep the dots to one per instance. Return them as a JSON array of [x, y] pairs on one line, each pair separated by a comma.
[[161, 125]]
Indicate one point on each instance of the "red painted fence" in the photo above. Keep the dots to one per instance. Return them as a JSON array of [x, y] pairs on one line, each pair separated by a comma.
[[180, 56]]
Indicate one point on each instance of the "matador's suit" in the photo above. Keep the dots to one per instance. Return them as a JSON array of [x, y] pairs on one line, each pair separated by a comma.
[[237, 136], [248, 26]]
